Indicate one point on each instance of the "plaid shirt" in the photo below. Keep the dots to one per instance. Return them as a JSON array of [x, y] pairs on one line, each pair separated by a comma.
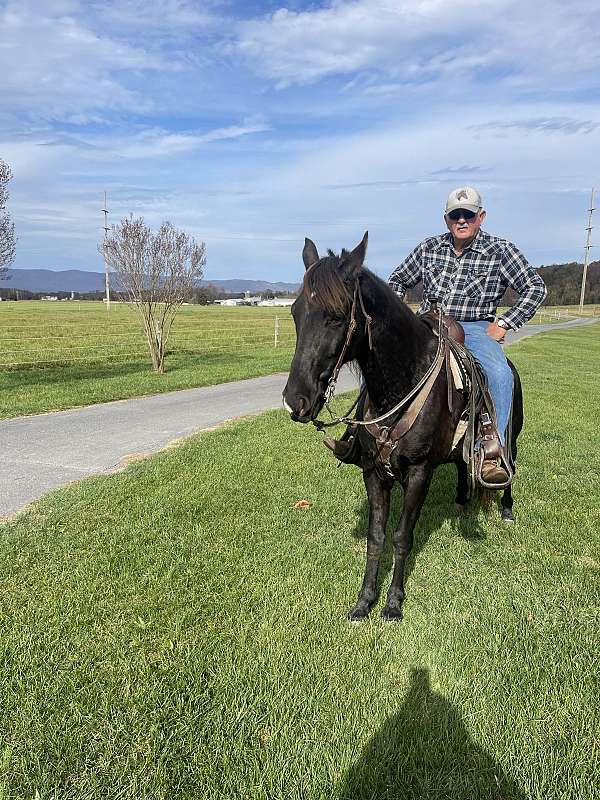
[[470, 286]]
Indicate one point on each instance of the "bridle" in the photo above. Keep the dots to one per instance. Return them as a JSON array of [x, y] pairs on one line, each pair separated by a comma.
[[352, 325]]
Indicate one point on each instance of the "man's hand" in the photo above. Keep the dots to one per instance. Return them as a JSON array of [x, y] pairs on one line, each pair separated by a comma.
[[496, 332]]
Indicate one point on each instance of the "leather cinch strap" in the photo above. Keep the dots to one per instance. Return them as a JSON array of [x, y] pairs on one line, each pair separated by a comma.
[[387, 438]]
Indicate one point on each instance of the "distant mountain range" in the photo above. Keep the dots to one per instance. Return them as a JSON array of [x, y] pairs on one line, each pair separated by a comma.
[[562, 280], [78, 280]]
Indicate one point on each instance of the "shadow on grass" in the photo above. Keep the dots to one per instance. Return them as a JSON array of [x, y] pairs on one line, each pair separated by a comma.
[[424, 751], [438, 508], [179, 360], [42, 375]]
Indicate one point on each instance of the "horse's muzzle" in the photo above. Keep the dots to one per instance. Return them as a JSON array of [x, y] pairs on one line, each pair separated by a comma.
[[302, 410]]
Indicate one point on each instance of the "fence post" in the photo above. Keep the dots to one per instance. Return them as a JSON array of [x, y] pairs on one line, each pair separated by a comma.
[[276, 331]]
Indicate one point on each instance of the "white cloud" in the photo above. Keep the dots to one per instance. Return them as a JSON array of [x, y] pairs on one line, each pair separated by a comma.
[[160, 16], [565, 125], [162, 144], [53, 65], [413, 40]]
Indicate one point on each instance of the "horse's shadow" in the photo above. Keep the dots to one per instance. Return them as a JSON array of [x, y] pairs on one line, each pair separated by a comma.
[[425, 751], [439, 507]]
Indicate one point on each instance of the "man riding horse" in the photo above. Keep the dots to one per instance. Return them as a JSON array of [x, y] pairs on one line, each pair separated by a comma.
[[465, 273]]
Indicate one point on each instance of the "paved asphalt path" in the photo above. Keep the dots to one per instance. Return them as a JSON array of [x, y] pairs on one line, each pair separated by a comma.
[[45, 451]]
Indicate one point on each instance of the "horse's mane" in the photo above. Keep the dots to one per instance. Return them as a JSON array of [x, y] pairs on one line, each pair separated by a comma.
[[324, 286]]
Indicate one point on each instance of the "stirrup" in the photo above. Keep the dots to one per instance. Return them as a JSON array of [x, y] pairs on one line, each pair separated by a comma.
[[502, 462], [490, 449]]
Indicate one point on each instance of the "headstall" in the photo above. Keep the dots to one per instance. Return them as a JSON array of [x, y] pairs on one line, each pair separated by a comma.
[[330, 390]]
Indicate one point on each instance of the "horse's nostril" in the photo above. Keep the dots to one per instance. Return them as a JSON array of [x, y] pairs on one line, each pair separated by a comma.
[[301, 406], [296, 405]]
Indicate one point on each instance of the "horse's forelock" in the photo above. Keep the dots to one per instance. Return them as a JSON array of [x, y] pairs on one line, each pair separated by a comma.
[[324, 286]]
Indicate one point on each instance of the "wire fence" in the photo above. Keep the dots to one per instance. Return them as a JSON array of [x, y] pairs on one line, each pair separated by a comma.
[[564, 314], [76, 335], [68, 341]]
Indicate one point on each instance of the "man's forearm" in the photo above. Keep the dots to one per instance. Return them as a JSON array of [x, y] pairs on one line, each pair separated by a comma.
[[397, 281], [407, 275], [527, 304]]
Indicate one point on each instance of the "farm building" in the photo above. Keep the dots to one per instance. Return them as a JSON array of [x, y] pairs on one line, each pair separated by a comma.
[[277, 301]]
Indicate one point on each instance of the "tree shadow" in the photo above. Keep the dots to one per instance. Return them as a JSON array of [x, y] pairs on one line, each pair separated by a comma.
[[424, 751], [438, 508], [56, 373]]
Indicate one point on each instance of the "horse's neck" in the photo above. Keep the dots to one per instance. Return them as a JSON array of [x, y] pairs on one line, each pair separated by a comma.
[[400, 356]]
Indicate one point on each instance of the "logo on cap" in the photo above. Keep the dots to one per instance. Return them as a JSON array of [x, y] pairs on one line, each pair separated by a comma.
[[462, 195]]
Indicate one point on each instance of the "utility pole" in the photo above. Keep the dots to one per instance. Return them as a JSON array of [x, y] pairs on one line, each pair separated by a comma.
[[587, 253], [106, 276]]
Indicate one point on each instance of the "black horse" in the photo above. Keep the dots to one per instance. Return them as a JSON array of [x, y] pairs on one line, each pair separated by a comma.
[[393, 351]]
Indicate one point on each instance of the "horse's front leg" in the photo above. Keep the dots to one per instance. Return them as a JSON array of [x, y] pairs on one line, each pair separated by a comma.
[[415, 491], [378, 493]]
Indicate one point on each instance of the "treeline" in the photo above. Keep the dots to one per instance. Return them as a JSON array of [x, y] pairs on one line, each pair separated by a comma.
[[202, 295], [563, 282]]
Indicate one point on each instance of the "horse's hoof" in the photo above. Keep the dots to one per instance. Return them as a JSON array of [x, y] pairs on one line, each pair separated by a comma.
[[460, 507], [391, 613], [358, 613], [507, 515]]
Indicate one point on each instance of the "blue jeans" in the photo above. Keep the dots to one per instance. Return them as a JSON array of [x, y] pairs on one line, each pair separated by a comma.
[[491, 356]]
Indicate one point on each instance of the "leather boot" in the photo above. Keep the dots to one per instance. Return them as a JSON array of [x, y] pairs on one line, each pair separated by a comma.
[[493, 470]]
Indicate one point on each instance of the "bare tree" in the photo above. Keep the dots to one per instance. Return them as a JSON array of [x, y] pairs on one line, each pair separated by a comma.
[[158, 272], [7, 228]]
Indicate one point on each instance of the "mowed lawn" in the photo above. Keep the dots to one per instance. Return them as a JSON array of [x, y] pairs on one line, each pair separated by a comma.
[[178, 630], [57, 355]]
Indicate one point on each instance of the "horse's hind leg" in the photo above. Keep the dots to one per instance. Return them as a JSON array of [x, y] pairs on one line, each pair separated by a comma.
[[415, 492], [517, 425], [378, 493], [507, 499], [462, 486], [507, 504]]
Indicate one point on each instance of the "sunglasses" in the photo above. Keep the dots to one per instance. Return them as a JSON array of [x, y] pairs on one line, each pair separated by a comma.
[[461, 212]]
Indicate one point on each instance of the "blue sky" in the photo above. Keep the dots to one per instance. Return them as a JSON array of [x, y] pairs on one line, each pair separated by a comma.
[[252, 125]]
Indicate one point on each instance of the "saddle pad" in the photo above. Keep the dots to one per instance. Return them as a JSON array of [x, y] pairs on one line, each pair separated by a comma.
[[456, 373], [457, 379], [460, 431]]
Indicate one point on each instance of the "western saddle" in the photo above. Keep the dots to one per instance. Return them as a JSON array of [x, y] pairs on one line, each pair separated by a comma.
[[490, 465]]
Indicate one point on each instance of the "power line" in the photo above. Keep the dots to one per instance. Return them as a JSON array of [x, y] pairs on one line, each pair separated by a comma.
[[587, 252], [106, 274]]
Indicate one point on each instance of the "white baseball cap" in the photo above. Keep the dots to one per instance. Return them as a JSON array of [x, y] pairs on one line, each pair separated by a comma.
[[464, 197]]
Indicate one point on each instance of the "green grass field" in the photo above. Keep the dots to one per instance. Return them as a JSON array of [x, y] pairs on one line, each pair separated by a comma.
[[178, 630], [61, 355], [65, 354]]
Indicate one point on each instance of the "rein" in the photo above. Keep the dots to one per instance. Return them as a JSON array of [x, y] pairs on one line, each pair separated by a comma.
[[330, 390]]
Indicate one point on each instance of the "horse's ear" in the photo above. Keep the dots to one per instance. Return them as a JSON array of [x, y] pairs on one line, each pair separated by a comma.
[[310, 255], [352, 263]]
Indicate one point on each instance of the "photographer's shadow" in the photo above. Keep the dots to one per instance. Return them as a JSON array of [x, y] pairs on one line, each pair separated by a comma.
[[424, 751]]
